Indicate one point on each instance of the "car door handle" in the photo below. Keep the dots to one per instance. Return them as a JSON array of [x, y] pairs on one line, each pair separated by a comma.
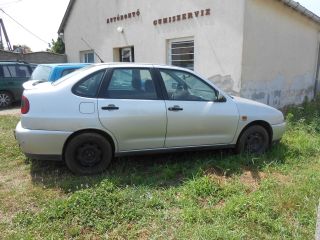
[[110, 107], [175, 108]]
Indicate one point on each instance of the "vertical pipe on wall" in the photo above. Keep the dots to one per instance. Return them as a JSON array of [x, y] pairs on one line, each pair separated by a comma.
[[317, 73]]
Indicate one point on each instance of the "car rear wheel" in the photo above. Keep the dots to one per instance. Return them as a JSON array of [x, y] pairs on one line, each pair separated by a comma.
[[5, 99], [254, 140], [88, 153]]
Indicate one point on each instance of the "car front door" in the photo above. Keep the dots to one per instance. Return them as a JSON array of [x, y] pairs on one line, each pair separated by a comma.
[[196, 116], [130, 108]]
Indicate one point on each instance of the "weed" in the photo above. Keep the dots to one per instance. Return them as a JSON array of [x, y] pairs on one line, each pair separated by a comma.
[[200, 195]]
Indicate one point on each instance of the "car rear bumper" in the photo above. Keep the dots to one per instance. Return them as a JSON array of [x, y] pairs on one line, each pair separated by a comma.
[[41, 144], [278, 131]]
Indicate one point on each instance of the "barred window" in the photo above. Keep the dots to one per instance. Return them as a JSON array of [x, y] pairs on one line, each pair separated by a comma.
[[181, 53]]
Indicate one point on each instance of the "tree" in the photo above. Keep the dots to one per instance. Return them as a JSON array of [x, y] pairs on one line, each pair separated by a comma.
[[57, 46]]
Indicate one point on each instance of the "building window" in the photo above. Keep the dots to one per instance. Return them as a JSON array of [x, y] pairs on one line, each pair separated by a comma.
[[181, 52], [127, 54], [87, 57]]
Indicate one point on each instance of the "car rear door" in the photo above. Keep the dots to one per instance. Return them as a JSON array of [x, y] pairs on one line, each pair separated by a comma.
[[194, 117], [131, 108]]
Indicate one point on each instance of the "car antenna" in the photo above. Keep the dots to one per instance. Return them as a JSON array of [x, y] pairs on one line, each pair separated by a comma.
[[93, 50]]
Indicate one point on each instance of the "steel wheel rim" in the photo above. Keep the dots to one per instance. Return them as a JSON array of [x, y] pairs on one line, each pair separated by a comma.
[[254, 143], [4, 100], [89, 155]]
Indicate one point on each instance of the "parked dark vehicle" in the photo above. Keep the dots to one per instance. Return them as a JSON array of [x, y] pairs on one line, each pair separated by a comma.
[[12, 76]]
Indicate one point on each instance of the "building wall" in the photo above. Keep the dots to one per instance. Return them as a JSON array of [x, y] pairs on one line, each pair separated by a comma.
[[36, 57], [279, 55], [218, 37]]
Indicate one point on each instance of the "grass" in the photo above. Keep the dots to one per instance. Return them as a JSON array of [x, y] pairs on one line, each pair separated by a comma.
[[200, 195]]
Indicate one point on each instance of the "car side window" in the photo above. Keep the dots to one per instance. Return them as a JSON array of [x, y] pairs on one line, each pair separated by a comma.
[[131, 83], [67, 71], [6, 72], [19, 71], [88, 87], [184, 86]]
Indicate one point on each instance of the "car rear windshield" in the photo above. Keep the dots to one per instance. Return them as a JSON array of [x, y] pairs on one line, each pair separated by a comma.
[[41, 73]]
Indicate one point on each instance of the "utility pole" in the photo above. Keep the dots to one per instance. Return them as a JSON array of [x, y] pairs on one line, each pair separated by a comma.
[[3, 30]]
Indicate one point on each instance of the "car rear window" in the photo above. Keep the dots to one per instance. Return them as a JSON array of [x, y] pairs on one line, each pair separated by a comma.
[[41, 73]]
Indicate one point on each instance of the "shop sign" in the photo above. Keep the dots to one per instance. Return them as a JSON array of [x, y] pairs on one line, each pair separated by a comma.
[[182, 17], [123, 17]]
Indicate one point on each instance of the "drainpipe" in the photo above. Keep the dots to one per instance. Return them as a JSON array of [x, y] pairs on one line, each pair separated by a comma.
[[317, 70]]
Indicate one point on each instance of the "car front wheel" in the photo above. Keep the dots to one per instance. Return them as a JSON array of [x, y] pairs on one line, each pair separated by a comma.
[[254, 140], [88, 153], [5, 99]]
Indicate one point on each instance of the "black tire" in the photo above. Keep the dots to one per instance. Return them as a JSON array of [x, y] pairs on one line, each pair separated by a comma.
[[254, 140], [6, 99], [88, 153]]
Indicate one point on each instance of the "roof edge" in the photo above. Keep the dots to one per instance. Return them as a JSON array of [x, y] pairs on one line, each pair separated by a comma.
[[66, 16], [290, 3], [301, 9]]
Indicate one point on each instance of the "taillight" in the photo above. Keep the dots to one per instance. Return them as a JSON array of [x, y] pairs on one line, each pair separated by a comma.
[[25, 106]]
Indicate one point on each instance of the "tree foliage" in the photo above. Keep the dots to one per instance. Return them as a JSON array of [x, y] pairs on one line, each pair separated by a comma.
[[57, 46]]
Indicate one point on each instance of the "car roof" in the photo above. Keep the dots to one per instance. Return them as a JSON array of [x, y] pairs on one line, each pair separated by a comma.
[[64, 64], [13, 62]]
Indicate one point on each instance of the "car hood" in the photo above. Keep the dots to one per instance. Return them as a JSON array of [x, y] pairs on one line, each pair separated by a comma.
[[35, 84], [258, 111]]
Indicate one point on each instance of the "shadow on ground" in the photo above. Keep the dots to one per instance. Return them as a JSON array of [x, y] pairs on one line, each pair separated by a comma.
[[158, 171]]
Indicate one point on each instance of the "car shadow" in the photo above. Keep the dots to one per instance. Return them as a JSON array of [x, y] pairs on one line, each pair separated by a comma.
[[158, 171]]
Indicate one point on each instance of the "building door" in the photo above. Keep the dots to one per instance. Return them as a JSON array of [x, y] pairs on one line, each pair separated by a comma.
[[127, 54]]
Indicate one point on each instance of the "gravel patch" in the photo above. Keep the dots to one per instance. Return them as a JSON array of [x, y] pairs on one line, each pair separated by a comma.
[[10, 111]]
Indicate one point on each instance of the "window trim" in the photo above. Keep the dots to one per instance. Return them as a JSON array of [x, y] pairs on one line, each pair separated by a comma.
[[131, 53], [83, 56], [170, 48], [154, 77], [165, 92]]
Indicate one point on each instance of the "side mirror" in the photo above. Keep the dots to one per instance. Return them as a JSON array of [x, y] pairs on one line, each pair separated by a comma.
[[220, 98]]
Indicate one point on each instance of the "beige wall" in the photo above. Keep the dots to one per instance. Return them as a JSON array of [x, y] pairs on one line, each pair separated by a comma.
[[279, 54], [34, 57], [218, 38]]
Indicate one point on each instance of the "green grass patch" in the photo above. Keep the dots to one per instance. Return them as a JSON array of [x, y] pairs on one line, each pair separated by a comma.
[[200, 195]]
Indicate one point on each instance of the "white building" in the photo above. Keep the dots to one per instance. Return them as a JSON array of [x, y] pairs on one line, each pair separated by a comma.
[[266, 50]]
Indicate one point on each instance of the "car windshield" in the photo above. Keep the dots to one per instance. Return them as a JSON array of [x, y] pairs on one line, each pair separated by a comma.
[[78, 71], [41, 73]]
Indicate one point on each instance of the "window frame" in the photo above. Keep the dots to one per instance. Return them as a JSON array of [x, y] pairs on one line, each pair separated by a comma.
[[131, 50], [84, 54], [154, 77], [165, 92], [170, 55]]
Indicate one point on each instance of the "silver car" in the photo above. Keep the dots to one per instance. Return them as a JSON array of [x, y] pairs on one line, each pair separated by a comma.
[[110, 110]]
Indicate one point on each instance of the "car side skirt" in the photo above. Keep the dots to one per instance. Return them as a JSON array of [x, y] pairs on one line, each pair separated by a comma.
[[173, 150]]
